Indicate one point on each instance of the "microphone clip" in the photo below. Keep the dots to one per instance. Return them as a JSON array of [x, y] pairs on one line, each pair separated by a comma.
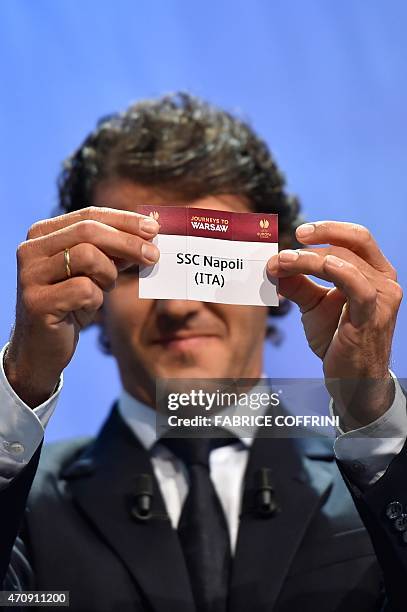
[[265, 502], [142, 499]]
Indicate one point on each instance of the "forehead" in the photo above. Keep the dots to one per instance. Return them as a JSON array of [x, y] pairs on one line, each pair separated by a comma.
[[126, 195]]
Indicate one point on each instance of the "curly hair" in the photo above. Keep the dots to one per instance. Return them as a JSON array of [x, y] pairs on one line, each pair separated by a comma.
[[181, 143]]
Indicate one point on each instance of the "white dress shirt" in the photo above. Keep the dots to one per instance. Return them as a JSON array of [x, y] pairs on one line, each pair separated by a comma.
[[365, 452], [227, 465]]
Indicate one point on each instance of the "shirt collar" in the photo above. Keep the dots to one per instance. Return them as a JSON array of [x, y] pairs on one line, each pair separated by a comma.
[[141, 419]]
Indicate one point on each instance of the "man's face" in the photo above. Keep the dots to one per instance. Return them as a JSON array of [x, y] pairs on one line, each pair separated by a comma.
[[153, 339]]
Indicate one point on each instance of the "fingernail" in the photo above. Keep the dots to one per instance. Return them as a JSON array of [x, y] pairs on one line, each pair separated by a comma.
[[333, 261], [150, 252], [306, 229], [288, 255], [149, 225], [272, 263]]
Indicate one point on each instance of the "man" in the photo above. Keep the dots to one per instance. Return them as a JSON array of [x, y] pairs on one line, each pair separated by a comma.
[[84, 530]]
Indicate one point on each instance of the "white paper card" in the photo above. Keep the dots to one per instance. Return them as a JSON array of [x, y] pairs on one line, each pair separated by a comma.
[[211, 256]]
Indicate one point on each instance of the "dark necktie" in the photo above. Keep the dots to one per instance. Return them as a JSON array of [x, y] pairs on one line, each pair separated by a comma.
[[202, 529]]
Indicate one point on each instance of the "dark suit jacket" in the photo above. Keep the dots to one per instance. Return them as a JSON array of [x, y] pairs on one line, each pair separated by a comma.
[[78, 532]]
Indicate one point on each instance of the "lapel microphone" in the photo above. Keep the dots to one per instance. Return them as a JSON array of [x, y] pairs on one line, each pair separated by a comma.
[[142, 500], [265, 502]]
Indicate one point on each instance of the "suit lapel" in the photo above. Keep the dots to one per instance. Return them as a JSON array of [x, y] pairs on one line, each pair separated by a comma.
[[102, 486], [266, 546]]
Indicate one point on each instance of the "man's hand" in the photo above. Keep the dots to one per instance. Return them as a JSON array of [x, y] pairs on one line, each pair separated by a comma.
[[350, 326], [52, 308]]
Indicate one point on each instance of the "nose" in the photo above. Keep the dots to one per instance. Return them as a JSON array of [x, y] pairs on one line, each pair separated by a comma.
[[177, 309]]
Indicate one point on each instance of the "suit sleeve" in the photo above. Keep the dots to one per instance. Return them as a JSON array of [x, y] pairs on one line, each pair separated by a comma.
[[21, 427], [383, 509], [15, 570]]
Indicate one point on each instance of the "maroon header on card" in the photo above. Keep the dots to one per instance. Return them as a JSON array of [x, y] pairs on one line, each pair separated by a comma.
[[208, 223]]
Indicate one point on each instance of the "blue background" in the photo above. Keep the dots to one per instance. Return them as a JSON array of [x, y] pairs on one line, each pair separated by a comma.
[[323, 81]]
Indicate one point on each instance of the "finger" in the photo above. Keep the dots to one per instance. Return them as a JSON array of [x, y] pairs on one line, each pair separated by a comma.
[[79, 293], [347, 255], [352, 236], [292, 262], [360, 292], [131, 222], [289, 262], [362, 295], [300, 289], [378, 279], [85, 260], [113, 242]]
